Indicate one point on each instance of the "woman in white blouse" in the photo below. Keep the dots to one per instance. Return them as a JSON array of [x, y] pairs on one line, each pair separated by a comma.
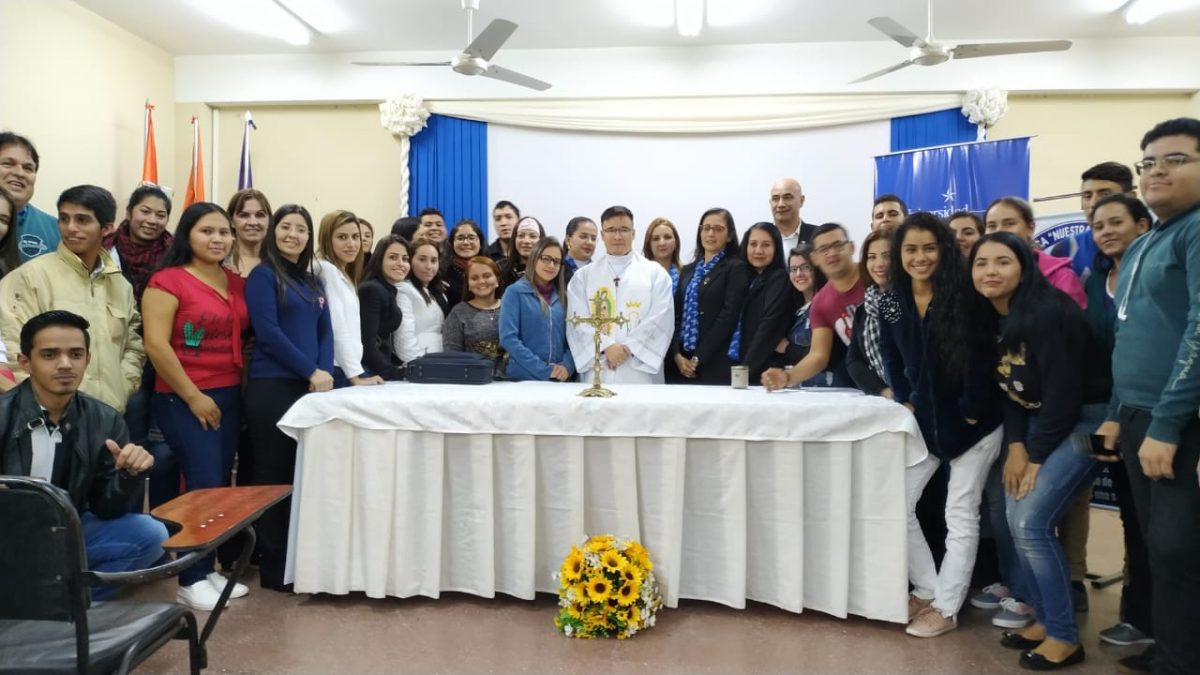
[[422, 302], [341, 264]]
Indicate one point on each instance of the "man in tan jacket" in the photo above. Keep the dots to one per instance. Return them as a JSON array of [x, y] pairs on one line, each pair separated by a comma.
[[81, 277]]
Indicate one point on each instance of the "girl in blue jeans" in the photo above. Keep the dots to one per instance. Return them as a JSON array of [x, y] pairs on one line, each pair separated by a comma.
[[1054, 370], [194, 318]]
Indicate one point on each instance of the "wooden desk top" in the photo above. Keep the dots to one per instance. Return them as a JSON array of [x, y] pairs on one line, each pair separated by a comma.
[[210, 514]]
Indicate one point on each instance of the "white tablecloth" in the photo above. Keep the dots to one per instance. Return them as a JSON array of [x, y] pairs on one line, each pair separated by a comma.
[[791, 498]]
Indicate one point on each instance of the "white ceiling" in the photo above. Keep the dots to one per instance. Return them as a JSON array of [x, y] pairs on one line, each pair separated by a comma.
[[395, 25]]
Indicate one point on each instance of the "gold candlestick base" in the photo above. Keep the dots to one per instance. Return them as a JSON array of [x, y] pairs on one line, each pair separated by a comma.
[[596, 391]]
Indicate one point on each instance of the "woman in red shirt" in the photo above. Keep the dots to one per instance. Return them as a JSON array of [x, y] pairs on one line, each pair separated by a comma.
[[194, 317]]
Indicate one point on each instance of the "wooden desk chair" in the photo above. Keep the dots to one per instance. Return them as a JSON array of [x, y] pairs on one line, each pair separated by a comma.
[[45, 600]]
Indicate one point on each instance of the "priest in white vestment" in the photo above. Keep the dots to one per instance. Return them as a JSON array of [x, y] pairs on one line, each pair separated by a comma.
[[637, 288]]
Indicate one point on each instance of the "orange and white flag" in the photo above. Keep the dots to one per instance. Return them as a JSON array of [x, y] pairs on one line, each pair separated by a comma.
[[150, 156], [195, 184]]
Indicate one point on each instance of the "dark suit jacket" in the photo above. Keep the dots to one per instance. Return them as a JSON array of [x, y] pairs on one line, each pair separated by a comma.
[[721, 295], [379, 317], [806, 234], [766, 317]]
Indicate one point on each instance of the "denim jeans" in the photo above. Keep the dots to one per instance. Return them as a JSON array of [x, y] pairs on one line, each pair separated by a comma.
[[164, 475], [1033, 521], [995, 509], [130, 542], [205, 456]]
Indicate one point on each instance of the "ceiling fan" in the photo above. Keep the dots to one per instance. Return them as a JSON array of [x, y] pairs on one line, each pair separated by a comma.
[[476, 58], [927, 52]]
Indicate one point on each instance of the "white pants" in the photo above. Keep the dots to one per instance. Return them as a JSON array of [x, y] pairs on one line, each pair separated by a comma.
[[968, 474]]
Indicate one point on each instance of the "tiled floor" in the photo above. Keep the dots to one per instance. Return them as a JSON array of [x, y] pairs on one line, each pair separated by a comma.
[[270, 632]]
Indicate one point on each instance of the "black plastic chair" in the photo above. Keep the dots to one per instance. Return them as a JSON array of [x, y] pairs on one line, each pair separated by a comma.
[[47, 620]]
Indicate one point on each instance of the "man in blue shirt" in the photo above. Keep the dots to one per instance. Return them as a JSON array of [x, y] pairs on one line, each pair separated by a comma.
[[1156, 386], [37, 231]]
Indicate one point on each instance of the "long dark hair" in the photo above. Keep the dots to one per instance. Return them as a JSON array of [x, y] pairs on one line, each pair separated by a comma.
[[954, 336], [881, 234], [180, 251], [805, 251], [1033, 297], [435, 290], [512, 263], [731, 247], [448, 246], [773, 233], [300, 274], [374, 268], [141, 194], [1137, 211], [9, 260]]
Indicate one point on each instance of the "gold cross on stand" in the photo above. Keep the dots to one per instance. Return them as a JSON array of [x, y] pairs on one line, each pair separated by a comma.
[[598, 320]]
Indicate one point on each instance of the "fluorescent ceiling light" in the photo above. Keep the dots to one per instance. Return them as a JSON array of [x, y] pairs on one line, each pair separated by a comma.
[[734, 13], [1144, 11], [323, 15], [261, 17], [689, 17]]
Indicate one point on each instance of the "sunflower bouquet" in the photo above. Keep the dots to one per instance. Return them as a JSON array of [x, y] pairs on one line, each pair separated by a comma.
[[607, 589]]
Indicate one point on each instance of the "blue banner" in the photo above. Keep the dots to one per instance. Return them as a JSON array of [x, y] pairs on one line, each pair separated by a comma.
[[964, 177]]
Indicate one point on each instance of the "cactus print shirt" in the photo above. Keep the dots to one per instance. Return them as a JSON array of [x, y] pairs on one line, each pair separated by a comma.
[[208, 329]]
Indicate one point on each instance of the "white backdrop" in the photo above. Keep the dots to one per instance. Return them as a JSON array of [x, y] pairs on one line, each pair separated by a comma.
[[556, 175]]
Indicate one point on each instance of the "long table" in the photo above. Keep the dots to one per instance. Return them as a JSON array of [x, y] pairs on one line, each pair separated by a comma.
[[792, 498]]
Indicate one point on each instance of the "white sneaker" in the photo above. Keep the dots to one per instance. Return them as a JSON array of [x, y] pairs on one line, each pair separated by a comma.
[[200, 596], [218, 582], [990, 596], [1014, 614]]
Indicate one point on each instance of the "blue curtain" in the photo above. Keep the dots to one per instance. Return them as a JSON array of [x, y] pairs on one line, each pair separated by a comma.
[[931, 129], [447, 162]]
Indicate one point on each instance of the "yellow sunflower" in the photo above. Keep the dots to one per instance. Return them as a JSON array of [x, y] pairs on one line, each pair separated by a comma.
[[598, 589], [581, 595], [631, 574], [639, 555], [627, 594], [611, 561], [575, 611], [599, 543], [635, 615], [573, 567]]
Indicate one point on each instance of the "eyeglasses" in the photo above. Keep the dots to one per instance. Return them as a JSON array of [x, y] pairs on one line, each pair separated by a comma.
[[547, 260], [713, 228], [830, 248], [465, 237], [1168, 162], [800, 269], [620, 231]]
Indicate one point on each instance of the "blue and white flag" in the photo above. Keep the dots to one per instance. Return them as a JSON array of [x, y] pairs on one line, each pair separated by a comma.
[[963, 177], [245, 174]]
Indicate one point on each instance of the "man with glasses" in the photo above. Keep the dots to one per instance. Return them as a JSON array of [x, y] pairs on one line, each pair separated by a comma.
[[832, 314], [37, 231], [637, 288], [786, 201], [1156, 386]]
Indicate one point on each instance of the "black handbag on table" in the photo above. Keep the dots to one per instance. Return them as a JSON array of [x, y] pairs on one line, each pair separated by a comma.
[[451, 368]]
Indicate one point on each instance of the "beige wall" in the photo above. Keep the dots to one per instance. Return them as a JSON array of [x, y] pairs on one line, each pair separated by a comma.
[[74, 84], [1074, 132], [322, 157]]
